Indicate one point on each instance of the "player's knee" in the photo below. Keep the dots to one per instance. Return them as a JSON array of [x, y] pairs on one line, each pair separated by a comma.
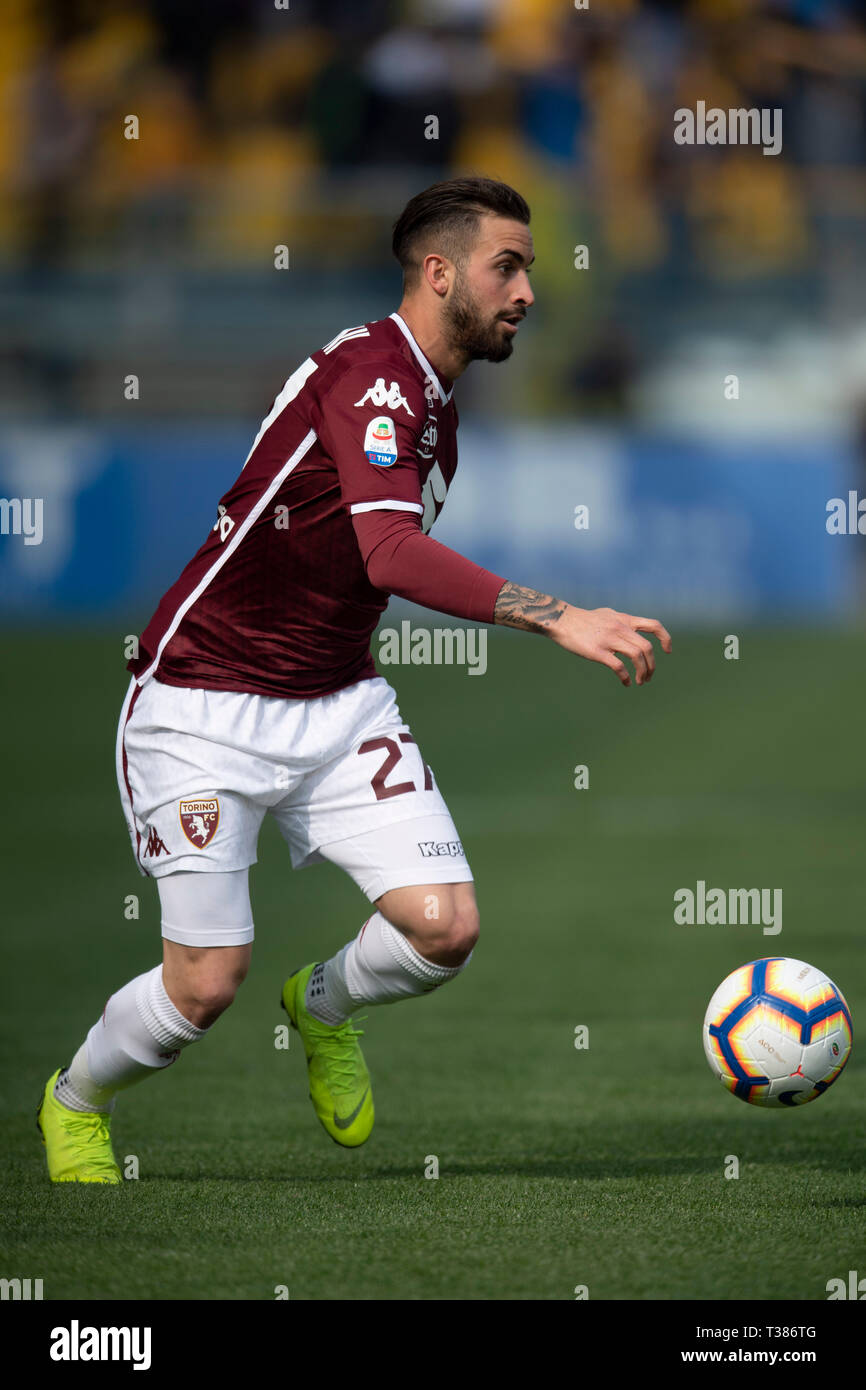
[[203, 983], [450, 938], [441, 922], [211, 994]]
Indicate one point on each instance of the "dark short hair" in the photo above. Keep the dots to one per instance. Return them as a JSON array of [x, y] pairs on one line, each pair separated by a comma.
[[448, 214]]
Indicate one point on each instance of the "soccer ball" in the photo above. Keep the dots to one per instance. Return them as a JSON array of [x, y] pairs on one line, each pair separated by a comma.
[[777, 1032]]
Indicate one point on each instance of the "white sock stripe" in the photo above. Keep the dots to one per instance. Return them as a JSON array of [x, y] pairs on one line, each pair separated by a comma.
[[404, 954], [159, 1016]]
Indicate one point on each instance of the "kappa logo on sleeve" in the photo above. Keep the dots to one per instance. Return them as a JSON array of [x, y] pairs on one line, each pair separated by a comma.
[[392, 397], [380, 442]]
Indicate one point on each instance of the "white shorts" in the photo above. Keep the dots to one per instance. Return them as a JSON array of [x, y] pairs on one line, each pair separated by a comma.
[[198, 770]]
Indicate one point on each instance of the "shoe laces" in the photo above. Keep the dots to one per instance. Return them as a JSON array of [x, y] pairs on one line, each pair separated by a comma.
[[90, 1127], [342, 1061], [93, 1129]]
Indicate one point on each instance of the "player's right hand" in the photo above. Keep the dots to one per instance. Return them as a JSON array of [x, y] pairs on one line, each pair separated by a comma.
[[605, 636]]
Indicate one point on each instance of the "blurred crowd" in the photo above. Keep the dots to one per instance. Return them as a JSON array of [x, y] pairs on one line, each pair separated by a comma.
[[309, 123], [261, 122]]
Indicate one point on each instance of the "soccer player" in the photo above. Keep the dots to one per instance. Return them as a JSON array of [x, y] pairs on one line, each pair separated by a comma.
[[255, 692]]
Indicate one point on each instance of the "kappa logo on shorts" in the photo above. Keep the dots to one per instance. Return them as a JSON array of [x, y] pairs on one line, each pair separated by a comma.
[[431, 847], [199, 819], [155, 844]]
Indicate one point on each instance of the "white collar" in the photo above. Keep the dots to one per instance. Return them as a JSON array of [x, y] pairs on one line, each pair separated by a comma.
[[404, 329]]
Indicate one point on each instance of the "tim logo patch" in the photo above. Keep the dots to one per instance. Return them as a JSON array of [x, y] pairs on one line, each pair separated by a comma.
[[199, 820], [380, 441]]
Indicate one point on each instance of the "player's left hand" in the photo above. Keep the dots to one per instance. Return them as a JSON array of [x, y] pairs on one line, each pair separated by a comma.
[[606, 636]]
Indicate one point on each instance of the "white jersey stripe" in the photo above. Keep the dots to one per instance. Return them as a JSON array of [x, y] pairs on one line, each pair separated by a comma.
[[393, 506], [347, 333], [346, 338], [249, 520], [286, 396], [404, 329]]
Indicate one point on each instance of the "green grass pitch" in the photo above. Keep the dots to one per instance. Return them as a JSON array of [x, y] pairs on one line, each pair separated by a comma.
[[558, 1167]]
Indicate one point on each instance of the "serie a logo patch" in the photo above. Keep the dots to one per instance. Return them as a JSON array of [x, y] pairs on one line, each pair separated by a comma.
[[380, 441], [199, 820]]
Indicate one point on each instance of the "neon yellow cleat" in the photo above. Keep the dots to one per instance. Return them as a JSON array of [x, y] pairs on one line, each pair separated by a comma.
[[77, 1144], [339, 1079]]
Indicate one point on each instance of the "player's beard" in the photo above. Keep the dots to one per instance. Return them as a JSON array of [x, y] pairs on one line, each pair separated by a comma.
[[470, 333]]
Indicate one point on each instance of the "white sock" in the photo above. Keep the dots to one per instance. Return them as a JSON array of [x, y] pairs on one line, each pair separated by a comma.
[[378, 967], [140, 1032]]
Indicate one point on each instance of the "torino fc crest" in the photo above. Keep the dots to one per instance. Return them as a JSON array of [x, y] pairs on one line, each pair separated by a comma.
[[199, 820]]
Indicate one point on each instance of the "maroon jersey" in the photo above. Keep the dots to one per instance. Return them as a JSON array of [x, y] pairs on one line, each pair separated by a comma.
[[347, 473]]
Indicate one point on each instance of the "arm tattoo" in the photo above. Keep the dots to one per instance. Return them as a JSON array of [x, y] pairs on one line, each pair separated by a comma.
[[527, 608]]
